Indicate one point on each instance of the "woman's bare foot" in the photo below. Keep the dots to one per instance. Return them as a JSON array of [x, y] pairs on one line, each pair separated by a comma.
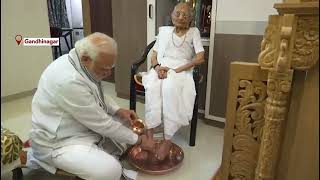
[[149, 133], [142, 156], [164, 149], [147, 144]]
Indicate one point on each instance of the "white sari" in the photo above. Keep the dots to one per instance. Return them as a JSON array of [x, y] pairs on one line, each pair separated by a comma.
[[173, 97]]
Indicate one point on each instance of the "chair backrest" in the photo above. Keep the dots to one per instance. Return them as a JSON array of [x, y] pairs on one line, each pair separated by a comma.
[[145, 57], [149, 58], [55, 32]]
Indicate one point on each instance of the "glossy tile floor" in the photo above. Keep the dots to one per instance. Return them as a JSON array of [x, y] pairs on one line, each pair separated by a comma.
[[200, 161]]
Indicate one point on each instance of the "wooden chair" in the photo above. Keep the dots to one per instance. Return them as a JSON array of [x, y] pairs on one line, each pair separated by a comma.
[[136, 88], [56, 32]]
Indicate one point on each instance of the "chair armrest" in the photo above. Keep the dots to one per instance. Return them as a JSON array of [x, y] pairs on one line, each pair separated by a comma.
[[143, 58], [66, 33], [196, 73], [134, 68]]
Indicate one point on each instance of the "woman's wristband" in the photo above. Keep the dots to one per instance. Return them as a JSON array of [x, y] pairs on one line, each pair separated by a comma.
[[154, 67]]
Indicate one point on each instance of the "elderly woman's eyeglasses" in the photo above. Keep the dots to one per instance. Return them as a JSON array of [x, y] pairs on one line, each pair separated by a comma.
[[183, 14]]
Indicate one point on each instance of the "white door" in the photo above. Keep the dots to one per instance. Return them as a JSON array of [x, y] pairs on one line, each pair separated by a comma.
[[207, 114], [151, 26], [151, 20]]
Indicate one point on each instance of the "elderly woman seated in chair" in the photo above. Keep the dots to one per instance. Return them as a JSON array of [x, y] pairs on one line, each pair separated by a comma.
[[169, 85]]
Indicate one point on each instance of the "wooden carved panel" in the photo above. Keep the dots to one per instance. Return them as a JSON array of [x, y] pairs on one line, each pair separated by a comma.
[[269, 44], [305, 43], [309, 0], [248, 128], [245, 120], [306, 47], [254, 118]]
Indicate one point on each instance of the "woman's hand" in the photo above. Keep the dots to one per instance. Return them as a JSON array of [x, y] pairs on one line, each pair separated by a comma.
[[162, 72], [198, 59], [128, 115]]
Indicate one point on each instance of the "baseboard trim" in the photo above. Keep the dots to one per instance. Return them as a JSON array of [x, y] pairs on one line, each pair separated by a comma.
[[127, 96], [123, 95], [18, 95], [210, 122]]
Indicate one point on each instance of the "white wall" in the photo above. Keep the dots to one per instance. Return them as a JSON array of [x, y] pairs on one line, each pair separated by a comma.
[[243, 16], [76, 13], [245, 10], [74, 10], [68, 7], [21, 66]]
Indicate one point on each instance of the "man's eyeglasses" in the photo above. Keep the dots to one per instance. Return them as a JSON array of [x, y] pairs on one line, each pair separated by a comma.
[[110, 67]]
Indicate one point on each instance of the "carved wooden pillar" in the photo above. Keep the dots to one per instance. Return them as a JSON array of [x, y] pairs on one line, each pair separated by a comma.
[[278, 88], [258, 94], [291, 43]]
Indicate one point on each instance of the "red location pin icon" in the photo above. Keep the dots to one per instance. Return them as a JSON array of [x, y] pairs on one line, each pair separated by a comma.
[[18, 39]]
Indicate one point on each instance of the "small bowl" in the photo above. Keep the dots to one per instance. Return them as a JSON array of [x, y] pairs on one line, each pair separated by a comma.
[[138, 126]]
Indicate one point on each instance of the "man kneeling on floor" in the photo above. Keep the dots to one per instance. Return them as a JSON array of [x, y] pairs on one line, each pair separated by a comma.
[[72, 119]]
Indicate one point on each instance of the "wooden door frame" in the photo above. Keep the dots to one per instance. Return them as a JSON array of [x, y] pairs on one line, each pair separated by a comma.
[[86, 17], [207, 114]]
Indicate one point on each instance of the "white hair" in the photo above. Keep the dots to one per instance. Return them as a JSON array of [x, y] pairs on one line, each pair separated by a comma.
[[190, 9], [94, 44]]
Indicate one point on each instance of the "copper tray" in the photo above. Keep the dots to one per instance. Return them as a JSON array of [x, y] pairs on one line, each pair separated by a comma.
[[153, 166]]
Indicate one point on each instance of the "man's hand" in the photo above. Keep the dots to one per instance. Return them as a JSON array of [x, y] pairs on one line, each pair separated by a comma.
[[147, 144], [127, 114]]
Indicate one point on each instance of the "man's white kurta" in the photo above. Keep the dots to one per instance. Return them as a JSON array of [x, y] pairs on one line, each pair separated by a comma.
[[69, 108], [176, 93]]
